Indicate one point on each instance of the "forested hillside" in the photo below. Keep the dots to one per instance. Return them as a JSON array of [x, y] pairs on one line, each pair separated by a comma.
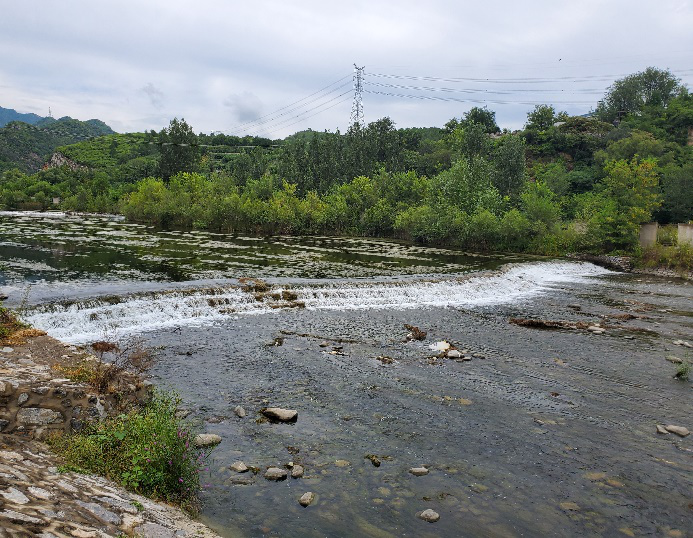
[[561, 184], [26, 147]]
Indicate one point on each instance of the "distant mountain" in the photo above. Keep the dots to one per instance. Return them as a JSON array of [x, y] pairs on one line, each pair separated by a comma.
[[8, 114], [27, 146]]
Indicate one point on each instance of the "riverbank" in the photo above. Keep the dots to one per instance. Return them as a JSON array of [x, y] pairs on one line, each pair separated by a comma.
[[40, 495]]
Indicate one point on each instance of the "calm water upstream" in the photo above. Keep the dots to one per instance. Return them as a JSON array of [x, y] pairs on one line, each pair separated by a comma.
[[531, 423]]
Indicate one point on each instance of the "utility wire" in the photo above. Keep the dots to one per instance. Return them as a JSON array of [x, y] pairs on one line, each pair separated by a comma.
[[493, 101], [236, 127]]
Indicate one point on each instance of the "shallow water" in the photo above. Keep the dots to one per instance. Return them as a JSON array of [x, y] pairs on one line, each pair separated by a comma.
[[543, 419]]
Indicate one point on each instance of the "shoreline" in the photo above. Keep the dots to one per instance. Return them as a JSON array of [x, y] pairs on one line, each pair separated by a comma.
[[40, 494]]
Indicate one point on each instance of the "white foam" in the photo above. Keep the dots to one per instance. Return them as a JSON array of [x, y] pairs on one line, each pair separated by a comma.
[[94, 319]]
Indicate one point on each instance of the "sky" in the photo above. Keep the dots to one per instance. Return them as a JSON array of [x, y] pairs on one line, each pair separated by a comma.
[[275, 67]]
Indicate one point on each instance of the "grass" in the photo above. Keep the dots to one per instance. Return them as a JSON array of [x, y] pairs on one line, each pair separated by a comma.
[[147, 450], [683, 371], [676, 257], [9, 324]]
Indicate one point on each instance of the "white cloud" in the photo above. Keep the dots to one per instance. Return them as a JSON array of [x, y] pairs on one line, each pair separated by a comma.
[[220, 63]]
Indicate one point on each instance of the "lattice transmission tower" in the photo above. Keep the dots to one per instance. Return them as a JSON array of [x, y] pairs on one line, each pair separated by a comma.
[[357, 107]]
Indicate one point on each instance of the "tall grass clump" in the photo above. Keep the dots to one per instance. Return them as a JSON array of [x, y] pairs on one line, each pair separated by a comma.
[[147, 450]]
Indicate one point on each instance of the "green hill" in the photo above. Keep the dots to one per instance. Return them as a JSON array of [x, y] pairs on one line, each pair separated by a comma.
[[27, 146], [8, 114]]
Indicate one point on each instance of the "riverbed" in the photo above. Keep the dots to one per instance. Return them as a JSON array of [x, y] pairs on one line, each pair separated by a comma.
[[542, 432]]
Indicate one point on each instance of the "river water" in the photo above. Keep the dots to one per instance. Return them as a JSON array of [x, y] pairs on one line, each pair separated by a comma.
[[515, 439]]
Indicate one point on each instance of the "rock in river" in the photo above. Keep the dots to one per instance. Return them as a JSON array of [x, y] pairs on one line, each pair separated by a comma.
[[418, 471], [429, 515], [282, 415], [239, 467], [203, 440], [240, 412], [307, 498], [275, 473], [297, 471], [454, 354], [678, 430]]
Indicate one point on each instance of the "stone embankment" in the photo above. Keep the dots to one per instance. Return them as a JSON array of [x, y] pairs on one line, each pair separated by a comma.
[[36, 498]]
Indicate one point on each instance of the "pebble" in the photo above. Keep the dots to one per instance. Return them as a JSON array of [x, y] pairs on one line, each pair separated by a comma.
[[678, 430], [342, 463], [283, 415], [7, 350], [682, 343], [418, 471], [429, 515], [203, 440], [239, 467], [454, 354], [307, 498], [662, 430], [675, 360], [297, 471], [240, 412], [275, 473]]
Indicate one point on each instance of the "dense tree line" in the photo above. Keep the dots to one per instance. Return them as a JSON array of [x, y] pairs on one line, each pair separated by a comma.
[[561, 184]]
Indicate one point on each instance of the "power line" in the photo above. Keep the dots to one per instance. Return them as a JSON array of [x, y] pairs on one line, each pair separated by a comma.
[[481, 101], [266, 118], [315, 113], [509, 91]]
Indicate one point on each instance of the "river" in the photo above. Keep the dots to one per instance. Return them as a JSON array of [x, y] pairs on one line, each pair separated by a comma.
[[541, 433]]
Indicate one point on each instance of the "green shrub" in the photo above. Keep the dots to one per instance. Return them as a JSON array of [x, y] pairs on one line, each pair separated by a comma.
[[147, 450]]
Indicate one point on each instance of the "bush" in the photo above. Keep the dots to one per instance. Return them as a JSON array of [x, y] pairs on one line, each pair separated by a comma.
[[147, 450]]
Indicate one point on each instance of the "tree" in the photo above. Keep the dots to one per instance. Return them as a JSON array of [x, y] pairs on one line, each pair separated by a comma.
[[541, 118], [180, 151], [630, 95], [482, 116]]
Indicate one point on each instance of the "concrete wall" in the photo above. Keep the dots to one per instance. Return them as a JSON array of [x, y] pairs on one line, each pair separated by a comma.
[[685, 234], [648, 234]]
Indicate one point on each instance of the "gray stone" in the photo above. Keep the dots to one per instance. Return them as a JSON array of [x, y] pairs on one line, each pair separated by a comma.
[[203, 440], [662, 430], [40, 390], [100, 512], [418, 471], [7, 350], [297, 471], [678, 430], [239, 467], [282, 415], [33, 416], [275, 474], [429, 515], [240, 412], [3, 424], [23, 397], [307, 499], [40, 493], [16, 516], [15, 496], [479, 355], [675, 360], [154, 530], [454, 354]]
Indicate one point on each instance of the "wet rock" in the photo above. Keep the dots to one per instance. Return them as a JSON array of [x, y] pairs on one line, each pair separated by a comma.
[[307, 499], [454, 354], [203, 440], [678, 430], [239, 467], [282, 415], [675, 360], [479, 355], [342, 463], [662, 430], [324, 344], [429, 515], [375, 460], [239, 411], [682, 343], [441, 346], [275, 474], [418, 471], [569, 506], [297, 471]]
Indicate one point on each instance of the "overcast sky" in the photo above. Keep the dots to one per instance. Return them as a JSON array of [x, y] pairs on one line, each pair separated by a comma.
[[255, 67]]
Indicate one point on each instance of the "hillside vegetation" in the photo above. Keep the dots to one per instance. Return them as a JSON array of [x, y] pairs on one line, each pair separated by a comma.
[[561, 184]]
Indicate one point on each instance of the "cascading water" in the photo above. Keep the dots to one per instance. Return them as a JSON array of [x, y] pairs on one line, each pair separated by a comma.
[[116, 316]]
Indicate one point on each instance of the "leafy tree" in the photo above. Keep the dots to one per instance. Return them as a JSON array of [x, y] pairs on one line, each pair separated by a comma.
[[509, 171], [180, 150], [541, 118], [632, 94], [482, 116]]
